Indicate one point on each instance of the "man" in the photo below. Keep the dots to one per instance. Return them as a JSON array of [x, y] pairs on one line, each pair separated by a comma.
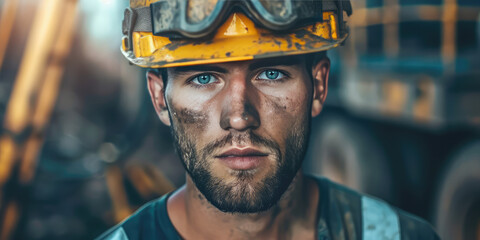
[[238, 83]]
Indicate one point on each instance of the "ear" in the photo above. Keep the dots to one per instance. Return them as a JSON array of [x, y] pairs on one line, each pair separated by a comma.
[[320, 72], [156, 89]]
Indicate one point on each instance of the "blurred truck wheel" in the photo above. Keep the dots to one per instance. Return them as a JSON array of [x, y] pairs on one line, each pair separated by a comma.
[[346, 152], [458, 196]]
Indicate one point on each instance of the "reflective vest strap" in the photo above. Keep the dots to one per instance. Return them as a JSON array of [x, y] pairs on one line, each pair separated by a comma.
[[118, 234], [380, 221]]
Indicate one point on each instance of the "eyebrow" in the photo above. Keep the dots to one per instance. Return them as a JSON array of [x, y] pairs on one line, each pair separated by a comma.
[[284, 61], [199, 68], [261, 63]]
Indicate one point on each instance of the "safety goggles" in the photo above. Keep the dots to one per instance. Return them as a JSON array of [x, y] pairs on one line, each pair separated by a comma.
[[200, 18]]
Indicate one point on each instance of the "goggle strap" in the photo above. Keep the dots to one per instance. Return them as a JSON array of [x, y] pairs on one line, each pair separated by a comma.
[[329, 5], [144, 20], [318, 8], [136, 20], [340, 14]]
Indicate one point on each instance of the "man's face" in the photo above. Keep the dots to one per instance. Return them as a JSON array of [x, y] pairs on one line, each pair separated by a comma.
[[241, 128]]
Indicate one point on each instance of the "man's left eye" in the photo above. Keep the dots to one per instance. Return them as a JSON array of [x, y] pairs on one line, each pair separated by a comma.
[[271, 75]]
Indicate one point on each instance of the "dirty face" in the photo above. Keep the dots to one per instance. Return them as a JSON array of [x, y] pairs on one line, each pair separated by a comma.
[[241, 128]]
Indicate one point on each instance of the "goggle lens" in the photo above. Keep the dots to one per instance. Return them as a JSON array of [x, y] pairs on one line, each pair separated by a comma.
[[198, 10], [199, 18], [278, 8]]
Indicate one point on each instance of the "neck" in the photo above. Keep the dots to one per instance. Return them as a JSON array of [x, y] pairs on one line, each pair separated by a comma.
[[293, 215]]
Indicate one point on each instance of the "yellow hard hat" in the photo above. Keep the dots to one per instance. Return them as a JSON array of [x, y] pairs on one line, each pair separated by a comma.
[[172, 33]]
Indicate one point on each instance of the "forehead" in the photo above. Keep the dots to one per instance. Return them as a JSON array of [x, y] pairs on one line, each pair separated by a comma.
[[250, 65]]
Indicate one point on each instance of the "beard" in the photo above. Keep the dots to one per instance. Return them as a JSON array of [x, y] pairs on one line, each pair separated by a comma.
[[244, 195]]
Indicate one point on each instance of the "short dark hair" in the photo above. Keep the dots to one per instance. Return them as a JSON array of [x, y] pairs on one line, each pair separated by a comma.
[[161, 72], [310, 60]]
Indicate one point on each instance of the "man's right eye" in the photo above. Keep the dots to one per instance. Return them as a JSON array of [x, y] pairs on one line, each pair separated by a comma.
[[204, 79]]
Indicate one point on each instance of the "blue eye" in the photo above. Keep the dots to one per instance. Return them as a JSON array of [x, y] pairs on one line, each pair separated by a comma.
[[271, 75], [204, 79]]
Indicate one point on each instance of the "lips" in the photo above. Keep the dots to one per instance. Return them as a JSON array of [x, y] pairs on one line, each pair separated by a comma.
[[242, 158]]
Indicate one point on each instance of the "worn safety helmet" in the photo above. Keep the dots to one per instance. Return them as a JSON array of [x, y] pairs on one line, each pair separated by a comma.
[[172, 33]]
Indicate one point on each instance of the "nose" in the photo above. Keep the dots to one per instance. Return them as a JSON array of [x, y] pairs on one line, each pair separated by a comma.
[[238, 109]]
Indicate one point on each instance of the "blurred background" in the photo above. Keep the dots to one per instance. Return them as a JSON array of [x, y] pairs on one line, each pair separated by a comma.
[[81, 147]]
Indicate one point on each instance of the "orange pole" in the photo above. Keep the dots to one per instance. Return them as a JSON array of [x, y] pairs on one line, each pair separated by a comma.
[[20, 108], [33, 97], [7, 17], [390, 28], [48, 93], [449, 49], [121, 207], [9, 221], [149, 181]]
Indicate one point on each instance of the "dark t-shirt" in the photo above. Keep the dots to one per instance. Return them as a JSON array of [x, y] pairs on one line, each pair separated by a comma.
[[342, 214]]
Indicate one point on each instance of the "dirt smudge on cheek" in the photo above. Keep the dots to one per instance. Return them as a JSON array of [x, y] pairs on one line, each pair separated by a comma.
[[279, 106], [189, 116]]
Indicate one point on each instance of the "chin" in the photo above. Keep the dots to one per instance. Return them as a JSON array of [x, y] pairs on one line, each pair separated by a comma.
[[245, 191]]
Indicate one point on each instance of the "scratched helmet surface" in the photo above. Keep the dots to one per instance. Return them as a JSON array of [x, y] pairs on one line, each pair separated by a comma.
[[172, 33]]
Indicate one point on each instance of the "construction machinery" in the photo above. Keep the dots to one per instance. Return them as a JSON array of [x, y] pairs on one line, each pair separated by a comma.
[[63, 171], [402, 120]]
